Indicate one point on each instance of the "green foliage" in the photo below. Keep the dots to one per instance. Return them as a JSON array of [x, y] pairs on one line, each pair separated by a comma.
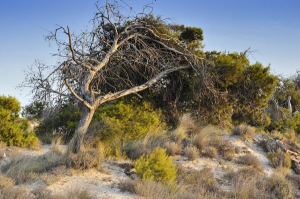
[[13, 130], [253, 91], [280, 159], [157, 166], [34, 110], [63, 123], [128, 120], [287, 123]]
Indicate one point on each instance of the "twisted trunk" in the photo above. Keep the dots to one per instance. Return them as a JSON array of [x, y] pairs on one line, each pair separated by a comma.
[[76, 143]]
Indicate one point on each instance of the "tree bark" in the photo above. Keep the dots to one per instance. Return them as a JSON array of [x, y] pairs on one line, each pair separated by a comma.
[[76, 143]]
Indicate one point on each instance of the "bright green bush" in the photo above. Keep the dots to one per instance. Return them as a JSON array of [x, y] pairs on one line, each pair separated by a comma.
[[157, 166], [128, 120], [13, 130]]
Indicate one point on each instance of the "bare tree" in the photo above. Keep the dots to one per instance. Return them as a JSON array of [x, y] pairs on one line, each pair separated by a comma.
[[119, 56]]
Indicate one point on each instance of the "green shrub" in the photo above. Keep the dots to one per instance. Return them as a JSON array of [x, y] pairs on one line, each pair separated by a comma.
[[13, 129], [62, 124], [287, 123], [156, 166], [280, 159], [128, 121]]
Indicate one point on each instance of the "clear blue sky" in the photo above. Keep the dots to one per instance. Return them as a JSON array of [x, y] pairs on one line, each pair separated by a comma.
[[271, 28]]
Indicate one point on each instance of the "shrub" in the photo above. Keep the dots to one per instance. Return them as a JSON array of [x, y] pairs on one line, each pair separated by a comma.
[[24, 168], [156, 166], [210, 152], [198, 183], [87, 158], [62, 123], [186, 126], [191, 152], [173, 148], [227, 150], [136, 148], [201, 140], [250, 160], [279, 158], [247, 132], [128, 120], [279, 187]]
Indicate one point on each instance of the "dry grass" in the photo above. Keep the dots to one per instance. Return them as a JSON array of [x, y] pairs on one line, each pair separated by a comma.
[[191, 152], [208, 136], [75, 193], [173, 148], [201, 140], [87, 159], [251, 160], [6, 182], [25, 168], [127, 186], [185, 127], [210, 152], [227, 150], [15, 193], [248, 183], [136, 148], [245, 131]]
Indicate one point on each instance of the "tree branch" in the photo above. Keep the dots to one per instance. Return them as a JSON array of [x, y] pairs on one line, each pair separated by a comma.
[[112, 96]]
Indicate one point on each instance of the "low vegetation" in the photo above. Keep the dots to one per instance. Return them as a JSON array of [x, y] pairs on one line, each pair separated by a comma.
[[157, 166]]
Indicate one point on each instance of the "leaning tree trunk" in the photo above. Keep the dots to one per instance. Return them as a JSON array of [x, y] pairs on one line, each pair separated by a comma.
[[76, 143]]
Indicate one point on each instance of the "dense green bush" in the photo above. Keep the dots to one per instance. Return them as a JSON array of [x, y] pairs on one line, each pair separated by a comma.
[[128, 120], [287, 123], [13, 130], [157, 166]]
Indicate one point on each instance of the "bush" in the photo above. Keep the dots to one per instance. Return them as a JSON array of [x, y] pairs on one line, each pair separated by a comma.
[[128, 121], [13, 129], [191, 152], [247, 132], [173, 148], [136, 148], [156, 166], [227, 150], [87, 158], [279, 158], [186, 126], [210, 152], [279, 187], [201, 140], [250, 160]]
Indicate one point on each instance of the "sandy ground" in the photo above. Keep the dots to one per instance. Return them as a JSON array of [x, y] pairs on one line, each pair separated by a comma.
[[104, 183]]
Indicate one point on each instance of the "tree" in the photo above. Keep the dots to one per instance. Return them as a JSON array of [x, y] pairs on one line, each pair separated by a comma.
[[120, 55]]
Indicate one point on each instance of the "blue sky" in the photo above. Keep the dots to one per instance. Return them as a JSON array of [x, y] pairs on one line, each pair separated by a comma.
[[271, 28]]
